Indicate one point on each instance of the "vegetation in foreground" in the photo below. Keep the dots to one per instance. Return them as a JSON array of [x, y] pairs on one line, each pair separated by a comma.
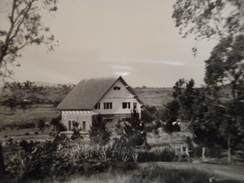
[[151, 173]]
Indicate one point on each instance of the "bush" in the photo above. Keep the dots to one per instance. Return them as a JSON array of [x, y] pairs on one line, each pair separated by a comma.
[[165, 154], [25, 125], [36, 133], [98, 133], [26, 133]]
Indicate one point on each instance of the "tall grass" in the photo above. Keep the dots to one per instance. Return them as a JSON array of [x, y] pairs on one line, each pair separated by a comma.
[[153, 174]]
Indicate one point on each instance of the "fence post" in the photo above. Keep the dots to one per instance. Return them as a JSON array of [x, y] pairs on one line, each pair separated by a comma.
[[203, 152], [2, 167]]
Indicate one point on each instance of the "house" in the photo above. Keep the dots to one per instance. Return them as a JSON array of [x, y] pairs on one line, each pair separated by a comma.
[[112, 98]]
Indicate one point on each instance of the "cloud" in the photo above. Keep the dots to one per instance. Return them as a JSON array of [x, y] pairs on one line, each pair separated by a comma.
[[131, 60], [121, 73]]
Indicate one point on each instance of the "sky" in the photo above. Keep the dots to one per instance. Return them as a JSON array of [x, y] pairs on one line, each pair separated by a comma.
[[135, 39]]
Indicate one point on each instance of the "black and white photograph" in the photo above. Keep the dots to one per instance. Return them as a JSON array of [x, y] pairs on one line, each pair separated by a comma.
[[121, 91]]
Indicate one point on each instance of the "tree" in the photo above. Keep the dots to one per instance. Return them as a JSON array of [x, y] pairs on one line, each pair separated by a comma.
[[76, 131], [148, 114], [2, 166], [170, 116], [225, 79], [20, 95], [98, 133], [223, 21], [133, 130], [25, 28], [209, 19], [42, 126]]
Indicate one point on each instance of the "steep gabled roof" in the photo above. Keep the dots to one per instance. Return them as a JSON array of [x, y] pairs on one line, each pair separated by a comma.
[[87, 93]]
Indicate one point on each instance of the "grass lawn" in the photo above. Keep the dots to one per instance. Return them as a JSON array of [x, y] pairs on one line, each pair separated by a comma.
[[151, 173]]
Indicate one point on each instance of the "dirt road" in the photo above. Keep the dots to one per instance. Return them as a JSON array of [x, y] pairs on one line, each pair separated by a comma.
[[232, 172]]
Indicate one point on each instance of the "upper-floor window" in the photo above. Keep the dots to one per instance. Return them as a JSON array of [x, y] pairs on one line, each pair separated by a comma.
[[116, 88], [108, 120], [126, 105], [107, 105], [97, 106]]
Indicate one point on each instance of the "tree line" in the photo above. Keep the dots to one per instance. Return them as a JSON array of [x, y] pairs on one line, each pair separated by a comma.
[[16, 95], [214, 111]]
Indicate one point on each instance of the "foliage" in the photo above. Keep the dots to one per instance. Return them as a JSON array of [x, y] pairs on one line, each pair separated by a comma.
[[170, 115], [76, 131], [98, 133], [134, 130], [41, 125], [127, 173], [225, 71], [155, 173], [25, 28], [18, 95], [217, 19], [149, 114], [222, 20], [123, 149], [165, 154]]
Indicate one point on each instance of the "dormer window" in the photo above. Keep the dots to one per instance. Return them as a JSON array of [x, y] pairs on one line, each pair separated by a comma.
[[116, 88]]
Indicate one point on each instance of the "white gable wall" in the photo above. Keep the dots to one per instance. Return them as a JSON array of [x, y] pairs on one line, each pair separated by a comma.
[[117, 97]]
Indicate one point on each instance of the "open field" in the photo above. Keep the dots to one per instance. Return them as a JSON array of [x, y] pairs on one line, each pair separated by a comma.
[[154, 96], [22, 122], [42, 111]]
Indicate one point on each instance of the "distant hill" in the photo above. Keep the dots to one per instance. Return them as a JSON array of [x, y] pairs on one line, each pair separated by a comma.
[[43, 83], [148, 95], [154, 96]]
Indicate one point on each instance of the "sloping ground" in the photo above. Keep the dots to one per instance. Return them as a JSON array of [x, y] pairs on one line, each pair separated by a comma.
[[223, 172], [45, 112], [154, 96]]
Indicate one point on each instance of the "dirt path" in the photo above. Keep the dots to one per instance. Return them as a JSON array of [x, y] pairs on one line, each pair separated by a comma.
[[233, 172]]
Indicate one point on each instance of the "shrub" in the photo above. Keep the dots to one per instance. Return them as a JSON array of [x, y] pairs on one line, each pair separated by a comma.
[[36, 133], [99, 134], [134, 130], [122, 149], [28, 147], [165, 154], [25, 125], [26, 133]]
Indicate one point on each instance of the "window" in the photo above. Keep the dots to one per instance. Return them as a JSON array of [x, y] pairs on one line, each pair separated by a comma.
[[116, 88], [107, 105], [108, 120], [126, 105], [97, 106], [71, 125], [83, 126], [134, 105]]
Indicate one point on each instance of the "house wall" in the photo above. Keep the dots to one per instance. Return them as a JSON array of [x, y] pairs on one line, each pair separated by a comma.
[[117, 97], [82, 117], [115, 119]]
